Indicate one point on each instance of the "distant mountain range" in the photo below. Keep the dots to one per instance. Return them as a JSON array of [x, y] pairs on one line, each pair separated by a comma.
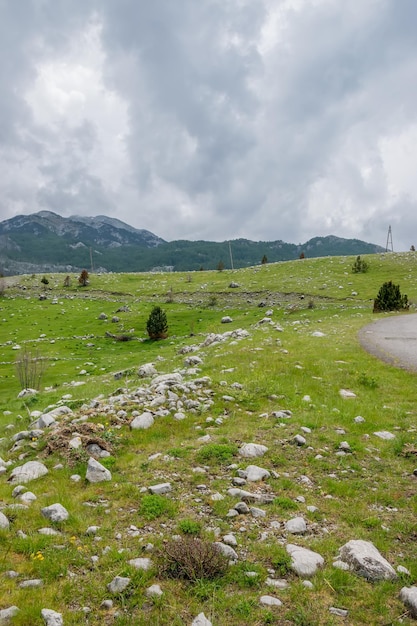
[[46, 242]]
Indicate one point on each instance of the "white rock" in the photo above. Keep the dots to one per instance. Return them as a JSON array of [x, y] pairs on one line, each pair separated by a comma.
[[161, 488], [252, 450], [201, 620], [142, 422], [365, 560], [226, 319], [346, 393], [227, 551], [52, 618], [230, 540], [8, 614], [118, 584], [27, 472], [141, 563], [300, 440], [146, 370], [296, 526], [154, 591], [96, 472], [55, 513], [255, 473], [270, 601], [4, 522], [304, 562], [409, 596], [384, 434]]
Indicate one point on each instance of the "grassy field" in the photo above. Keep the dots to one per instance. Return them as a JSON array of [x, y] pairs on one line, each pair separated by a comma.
[[369, 493]]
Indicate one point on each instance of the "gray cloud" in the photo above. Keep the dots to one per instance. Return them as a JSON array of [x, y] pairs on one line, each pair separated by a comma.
[[213, 120]]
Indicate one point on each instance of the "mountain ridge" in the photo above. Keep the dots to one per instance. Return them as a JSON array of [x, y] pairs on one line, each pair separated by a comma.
[[47, 242]]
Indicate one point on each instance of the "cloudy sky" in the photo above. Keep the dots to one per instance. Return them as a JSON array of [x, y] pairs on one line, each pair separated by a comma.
[[213, 119]]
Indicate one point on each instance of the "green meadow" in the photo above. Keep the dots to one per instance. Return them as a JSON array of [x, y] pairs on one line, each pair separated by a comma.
[[369, 493]]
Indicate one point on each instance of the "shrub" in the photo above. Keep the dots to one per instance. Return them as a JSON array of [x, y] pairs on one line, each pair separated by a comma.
[[389, 298], [264, 260], [360, 266], [192, 559], [155, 505], [189, 527], [44, 281], [30, 367], [83, 278], [216, 452], [157, 325]]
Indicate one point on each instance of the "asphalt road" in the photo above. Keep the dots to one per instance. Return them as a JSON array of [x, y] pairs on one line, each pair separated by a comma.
[[393, 339]]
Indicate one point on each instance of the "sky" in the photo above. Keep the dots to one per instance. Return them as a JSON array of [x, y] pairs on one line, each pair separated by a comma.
[[213, 119]]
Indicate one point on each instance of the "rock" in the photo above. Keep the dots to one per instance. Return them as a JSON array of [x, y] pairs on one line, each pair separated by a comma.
[[227, 551], [167, 379], [365, 560], [409, 596], [252, 450], [96, 472], [27, 472], [230, 540], [144, 564], [32, 583], [201, 620], [339, 612], [270, 601], [147, 370], [299, 440], [8, 614], [384, 434], [346, 393], [161, 488], [242, 508], [304, 562], [255, 512], [142, 422], [296, 526], [55, 513], [226, 319], [118, 584], [254, 473], [52, 618], [154, 591], [102, 316], [4, 522]]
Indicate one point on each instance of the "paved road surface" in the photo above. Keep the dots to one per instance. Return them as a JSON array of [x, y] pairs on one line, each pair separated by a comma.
[[393, 339]]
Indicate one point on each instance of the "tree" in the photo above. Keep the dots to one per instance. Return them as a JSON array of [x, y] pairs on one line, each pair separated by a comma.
[[83, 278], [220, 266], [302, 255], [389, 298], [44, 281], [67, 281], [157, 324], [360, 266], [412, 249], [264, 260]]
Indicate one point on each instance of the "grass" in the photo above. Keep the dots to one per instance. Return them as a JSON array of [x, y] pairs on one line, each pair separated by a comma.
[[368, 493]]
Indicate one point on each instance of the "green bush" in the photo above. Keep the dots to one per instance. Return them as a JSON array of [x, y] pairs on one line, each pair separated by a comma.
[[389, 298], [360, 266], [189, 527], [217, 453], [154, 505], [157, 324]]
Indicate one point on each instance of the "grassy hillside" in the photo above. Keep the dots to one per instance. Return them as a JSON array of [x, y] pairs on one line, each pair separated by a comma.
[[297, 360]]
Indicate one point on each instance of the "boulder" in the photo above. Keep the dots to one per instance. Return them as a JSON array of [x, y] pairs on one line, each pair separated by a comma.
[[364, 560], [252, 450], [55, 513], [52, 618], [27, 472], [96, 472], [409, 596], [4, 522], [142, 422], [304, 562]]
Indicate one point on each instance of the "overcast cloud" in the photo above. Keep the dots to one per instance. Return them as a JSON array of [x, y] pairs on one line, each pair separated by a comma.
[[213, 119]]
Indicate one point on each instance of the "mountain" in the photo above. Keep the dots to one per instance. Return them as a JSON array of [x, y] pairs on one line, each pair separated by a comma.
[[46, 242]]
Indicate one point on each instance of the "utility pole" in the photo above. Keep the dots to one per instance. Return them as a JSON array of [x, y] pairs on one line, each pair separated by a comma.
[[389, 247], [231, 258]]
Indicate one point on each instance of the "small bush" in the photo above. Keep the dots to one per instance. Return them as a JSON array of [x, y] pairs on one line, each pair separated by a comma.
[[189, 527], [286, 504], [192, 559], [157, 324], [217, 452], [30, 367], [360, 266], [154, 505], [389, 298], [83, 278]]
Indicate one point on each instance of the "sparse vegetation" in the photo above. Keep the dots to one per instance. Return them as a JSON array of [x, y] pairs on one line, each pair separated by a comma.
[[30, 367], [192, 559], [360, 266]]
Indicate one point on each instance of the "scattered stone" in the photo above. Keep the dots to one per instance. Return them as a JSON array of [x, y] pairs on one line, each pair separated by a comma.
[[4, 522], [29, 584], [346, 393], [27, 472], [142, 422], [339, 612], [384, 434], [226, 319], [296, 526], [359, 419], [308, 584], [201, 620], [252, 450], [118, 584], [144, 564], [147, 370], [403, 570], [8, 614], [304, 562], [161, 488], [154, 591], [55, 513], [96, 472], [254, 473], [409, 596], [52, 618], [365, 560], [270, 601], [300, 440], [227, 551]]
